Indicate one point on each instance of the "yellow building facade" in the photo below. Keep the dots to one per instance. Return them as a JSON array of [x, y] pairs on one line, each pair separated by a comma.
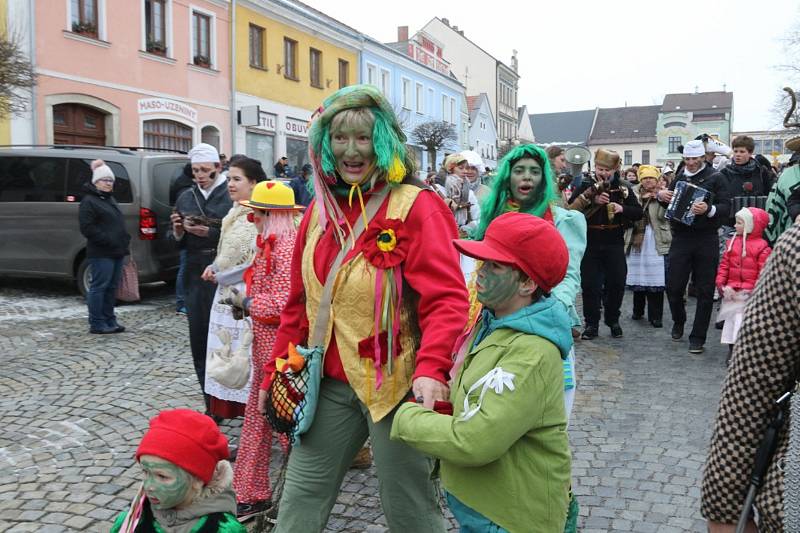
[[287, 63]]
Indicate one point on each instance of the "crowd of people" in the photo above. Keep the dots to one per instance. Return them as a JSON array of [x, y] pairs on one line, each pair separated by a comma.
[[439, 311]]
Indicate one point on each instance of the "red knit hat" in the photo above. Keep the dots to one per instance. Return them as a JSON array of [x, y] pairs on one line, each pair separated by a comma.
[[527, 242], [187, 439]]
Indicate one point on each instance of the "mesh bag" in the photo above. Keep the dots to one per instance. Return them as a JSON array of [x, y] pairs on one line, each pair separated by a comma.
[[292, 395]]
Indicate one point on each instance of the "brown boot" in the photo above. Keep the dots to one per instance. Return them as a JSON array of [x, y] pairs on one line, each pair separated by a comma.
[[362, 460]]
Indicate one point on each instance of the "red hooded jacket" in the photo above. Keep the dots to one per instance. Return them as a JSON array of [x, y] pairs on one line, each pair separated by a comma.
[[745, 255]]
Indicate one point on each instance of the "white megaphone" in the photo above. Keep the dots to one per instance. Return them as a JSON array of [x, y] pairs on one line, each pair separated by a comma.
[[577, 156]]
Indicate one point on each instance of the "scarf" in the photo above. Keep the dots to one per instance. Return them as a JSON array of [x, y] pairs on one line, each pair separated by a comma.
[[640, 226], [743, 170], [690, 174], [475, 186], [221, 178]]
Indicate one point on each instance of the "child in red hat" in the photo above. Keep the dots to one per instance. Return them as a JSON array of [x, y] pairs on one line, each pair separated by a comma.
[[508, 427], [187, 479]]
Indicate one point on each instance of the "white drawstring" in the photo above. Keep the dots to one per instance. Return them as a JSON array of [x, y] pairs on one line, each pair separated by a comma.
[[497, 379]]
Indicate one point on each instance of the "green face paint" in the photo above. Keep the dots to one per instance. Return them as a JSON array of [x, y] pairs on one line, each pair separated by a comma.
[[353, 150], [496, 284], [165, 484], [526, 175]]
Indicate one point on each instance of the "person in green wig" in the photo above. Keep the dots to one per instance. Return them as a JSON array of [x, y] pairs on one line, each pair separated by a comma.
[[524, 183], [397, 304]]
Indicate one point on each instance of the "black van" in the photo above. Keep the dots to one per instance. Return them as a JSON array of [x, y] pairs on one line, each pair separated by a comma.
[[40, 191]]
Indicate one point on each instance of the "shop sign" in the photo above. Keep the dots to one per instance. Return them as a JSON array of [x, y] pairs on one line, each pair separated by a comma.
[[164, 105], [296, 127], [266, 121]]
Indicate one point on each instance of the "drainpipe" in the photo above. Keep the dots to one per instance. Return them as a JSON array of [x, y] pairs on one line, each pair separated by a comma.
[[34, 111], [233, 113]]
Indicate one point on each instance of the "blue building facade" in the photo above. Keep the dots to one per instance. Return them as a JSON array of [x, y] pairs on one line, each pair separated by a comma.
[[417, 93]]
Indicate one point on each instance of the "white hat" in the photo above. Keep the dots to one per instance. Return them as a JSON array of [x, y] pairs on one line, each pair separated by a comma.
[[204, 153], [100, 171], [694, 149], [473, 159]]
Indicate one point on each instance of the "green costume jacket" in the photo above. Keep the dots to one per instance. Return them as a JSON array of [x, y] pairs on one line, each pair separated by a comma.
[[510, 461]]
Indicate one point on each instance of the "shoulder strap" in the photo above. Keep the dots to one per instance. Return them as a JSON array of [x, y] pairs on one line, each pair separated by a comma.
[[196, 201], [324, 310]]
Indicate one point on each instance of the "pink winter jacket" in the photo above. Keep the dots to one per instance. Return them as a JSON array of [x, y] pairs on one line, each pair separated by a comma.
[[740, 271]]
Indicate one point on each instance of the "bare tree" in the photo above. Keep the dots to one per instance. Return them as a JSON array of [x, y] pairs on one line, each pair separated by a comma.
[[782, 101], [16, 73], [434, 135]]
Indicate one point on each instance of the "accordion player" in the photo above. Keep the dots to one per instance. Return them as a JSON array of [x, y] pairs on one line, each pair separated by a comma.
[[684, 196]]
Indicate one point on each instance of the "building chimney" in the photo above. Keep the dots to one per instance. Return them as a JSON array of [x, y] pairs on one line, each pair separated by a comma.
[[455, 27], [514, 61], [402, 33], [446, 21]]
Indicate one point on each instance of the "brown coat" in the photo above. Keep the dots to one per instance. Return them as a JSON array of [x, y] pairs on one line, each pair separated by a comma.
[[764, 366]]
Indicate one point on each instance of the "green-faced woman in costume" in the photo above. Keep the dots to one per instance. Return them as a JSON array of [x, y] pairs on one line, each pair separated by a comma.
[[571, 224]]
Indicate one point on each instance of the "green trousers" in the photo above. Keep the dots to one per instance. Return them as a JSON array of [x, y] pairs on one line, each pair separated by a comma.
[[317, 466]]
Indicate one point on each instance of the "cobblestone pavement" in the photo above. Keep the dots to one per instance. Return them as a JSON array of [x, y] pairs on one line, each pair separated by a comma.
[[74, 407]]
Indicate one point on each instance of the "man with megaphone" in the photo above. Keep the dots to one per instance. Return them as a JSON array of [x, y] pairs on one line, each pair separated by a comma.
[[610, 207]]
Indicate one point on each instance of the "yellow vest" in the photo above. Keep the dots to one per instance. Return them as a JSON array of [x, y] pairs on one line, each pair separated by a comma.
[[353, 319]]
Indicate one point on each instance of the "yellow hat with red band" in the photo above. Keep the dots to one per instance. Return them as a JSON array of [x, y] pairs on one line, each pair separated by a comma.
[[272, 196]]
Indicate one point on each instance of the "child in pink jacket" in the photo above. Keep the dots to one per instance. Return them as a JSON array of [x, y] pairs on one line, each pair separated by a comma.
[[744, 258]]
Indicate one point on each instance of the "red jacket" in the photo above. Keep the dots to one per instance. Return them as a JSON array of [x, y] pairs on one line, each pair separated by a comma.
[[741, 270], [431, 269]]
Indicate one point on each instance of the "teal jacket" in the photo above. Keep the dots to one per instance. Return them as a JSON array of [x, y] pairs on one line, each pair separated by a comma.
[[510, 460], [572, 226]]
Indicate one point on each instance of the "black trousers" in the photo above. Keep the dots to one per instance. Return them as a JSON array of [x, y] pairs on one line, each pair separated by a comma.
[[696, 256], [199, 297], [603, 272], [654, 301]]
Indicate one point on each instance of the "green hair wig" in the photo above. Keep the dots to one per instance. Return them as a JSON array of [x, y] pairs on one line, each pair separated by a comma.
[[392, 158], [496, 202]]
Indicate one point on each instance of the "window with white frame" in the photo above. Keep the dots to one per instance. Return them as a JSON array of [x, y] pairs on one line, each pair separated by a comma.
[[372, 75], [452, 110], [445, 109], [155, 20], [406, 93], [386, 82], [203, 38], [431, 101], [84, 17], [420, 99]]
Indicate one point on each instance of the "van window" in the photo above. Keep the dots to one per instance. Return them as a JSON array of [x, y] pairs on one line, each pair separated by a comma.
[[32, 179], [80, 173], [164, 175]]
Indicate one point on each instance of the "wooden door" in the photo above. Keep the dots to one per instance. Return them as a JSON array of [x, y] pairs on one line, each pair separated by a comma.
[[78, 124]]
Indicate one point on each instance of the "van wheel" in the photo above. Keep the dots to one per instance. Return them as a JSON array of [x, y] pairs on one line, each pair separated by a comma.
[[83, 277]]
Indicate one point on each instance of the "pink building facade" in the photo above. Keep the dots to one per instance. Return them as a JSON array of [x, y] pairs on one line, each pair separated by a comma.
[[152, 73]]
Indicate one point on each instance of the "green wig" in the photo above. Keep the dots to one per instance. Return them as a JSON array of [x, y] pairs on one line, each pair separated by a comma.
[[389, 142], [497, 201]]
